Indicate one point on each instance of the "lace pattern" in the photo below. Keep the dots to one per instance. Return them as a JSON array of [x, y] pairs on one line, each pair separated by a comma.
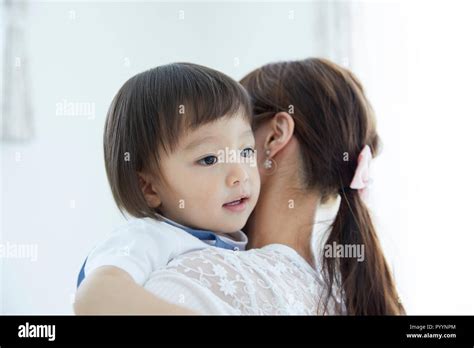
[[272, 280]]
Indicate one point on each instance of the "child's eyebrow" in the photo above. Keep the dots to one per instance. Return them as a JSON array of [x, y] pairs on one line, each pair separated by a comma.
[[247, 132], [200, 141], [211, 138]]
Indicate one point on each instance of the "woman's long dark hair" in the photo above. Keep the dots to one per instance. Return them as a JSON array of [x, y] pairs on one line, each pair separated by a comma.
[[333, 123]]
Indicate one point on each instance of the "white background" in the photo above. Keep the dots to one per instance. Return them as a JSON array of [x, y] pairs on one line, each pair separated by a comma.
[[415, 59]]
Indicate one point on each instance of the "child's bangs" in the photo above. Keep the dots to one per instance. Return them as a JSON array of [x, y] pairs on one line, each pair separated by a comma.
[[206, 99]]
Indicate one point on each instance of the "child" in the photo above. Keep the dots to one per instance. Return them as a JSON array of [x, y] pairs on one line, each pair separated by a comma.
[[179, 155]]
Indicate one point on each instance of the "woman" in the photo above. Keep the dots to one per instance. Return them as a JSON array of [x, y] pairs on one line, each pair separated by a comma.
[[316, 131]]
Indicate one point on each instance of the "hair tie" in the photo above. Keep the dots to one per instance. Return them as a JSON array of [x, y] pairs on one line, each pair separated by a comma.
[[361, 179]]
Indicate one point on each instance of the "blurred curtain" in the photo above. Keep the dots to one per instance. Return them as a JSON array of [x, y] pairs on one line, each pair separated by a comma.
[[334, 31], [16, 120]]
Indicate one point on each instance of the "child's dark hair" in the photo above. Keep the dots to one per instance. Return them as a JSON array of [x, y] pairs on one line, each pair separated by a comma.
[[151, 111]]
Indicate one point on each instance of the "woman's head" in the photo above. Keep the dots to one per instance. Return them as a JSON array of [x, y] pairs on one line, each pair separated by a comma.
[[332, 118], [178, 142], [326, 116]]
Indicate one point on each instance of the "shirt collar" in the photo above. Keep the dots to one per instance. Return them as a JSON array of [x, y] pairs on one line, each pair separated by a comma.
[[233, 241]]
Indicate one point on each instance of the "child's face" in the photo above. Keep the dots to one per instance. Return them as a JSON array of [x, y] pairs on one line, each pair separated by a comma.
[[211, 179]]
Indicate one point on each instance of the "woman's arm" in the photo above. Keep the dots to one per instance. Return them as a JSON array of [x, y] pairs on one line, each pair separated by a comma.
[[110, 290]]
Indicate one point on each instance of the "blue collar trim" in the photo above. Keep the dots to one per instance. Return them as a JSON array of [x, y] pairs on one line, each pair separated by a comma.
[[204, 235]]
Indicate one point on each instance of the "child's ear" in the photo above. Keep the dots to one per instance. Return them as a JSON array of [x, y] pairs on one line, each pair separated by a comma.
[[147, 185]]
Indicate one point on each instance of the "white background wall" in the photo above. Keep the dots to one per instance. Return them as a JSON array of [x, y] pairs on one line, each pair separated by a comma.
[[414, 58]]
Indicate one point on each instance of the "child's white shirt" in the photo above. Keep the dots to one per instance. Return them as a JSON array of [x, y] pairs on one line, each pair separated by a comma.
[[143, 245]]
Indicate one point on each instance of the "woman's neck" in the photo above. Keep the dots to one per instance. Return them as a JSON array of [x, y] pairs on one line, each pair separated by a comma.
[[283, 217]]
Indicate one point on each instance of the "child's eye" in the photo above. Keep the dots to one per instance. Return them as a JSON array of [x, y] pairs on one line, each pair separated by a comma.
[[247, 152], [208, 161]]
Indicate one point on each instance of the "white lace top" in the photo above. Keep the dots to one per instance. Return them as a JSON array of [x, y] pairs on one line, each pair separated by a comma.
[[273, 279], [270, 280]]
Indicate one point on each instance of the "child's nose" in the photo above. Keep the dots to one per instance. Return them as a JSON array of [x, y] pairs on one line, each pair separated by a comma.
[[237, 174]]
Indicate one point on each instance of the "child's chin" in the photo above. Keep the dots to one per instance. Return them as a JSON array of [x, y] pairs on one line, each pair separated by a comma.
[[229, 228]]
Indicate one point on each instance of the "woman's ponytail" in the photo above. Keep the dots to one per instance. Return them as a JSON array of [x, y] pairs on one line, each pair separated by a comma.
[[366, 284]]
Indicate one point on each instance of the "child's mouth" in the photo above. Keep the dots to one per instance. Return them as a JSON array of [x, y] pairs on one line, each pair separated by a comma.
[[237, 205]]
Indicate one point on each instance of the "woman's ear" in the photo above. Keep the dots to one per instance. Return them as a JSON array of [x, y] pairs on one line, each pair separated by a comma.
[[147, 185], [281, 129]]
